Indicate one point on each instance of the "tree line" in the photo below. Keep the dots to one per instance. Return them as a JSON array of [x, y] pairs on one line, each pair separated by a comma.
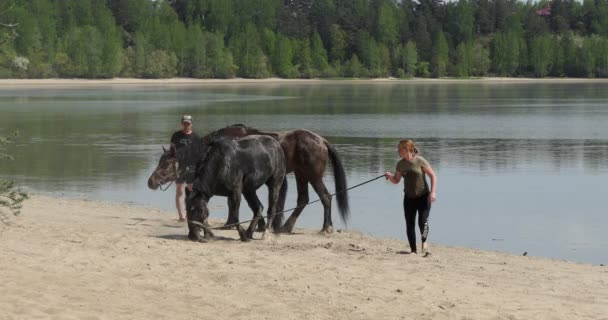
[[302, 38]]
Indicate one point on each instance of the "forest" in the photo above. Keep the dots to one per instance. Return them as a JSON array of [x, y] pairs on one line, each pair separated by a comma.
[[302, 38]]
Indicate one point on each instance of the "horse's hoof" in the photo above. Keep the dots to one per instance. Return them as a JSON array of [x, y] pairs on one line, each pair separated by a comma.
[[327, 230], [266, 236], [202, 241], [286, 229]]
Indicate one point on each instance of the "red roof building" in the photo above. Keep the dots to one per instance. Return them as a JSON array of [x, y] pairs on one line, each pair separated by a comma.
[[546, 11]]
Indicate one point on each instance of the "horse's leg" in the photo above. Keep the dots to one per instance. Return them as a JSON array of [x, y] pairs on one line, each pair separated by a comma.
[[234, 202], [233, 217], [325, 198], [302, 185], [274, 187], [256, 206]]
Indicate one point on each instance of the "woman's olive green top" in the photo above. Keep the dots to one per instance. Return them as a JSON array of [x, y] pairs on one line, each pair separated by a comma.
[[414, 178]]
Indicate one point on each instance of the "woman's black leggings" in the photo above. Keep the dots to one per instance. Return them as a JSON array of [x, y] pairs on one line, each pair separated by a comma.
[[410, 207]]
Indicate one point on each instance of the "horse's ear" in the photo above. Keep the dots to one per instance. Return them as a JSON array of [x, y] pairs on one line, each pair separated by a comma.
[[164, 150]]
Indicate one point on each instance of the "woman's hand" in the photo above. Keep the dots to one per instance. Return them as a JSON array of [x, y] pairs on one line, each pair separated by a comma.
[[432, 197], [388, 175]]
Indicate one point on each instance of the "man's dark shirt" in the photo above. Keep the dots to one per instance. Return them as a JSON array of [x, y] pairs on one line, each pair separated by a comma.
[[180, 139]]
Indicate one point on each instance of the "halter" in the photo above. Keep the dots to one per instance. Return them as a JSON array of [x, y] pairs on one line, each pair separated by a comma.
[[196, 223], [162, 180]]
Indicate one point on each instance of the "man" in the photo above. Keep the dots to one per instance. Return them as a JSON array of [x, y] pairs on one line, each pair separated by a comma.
[[180, 139]]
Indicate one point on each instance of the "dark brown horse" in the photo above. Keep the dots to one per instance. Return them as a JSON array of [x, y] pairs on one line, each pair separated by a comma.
[[306, 154]]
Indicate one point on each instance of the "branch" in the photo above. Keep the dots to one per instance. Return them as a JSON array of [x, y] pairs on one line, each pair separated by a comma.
[[8, 25]]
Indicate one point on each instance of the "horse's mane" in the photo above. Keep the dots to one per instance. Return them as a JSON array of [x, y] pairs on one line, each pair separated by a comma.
[[191, 154], [215, 156], [225, 132]]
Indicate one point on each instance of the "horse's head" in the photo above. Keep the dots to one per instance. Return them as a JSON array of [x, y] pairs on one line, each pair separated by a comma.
[[166, 170], [197, 214]]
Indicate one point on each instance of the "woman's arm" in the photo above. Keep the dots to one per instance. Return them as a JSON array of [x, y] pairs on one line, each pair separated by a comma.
[[429, 171], [393, 178]]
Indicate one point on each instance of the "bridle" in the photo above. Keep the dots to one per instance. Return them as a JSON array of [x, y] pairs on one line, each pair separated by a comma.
[[163, 180]]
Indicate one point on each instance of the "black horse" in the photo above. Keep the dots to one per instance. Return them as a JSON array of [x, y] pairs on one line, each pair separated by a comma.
[[306, 154], [232, 168]]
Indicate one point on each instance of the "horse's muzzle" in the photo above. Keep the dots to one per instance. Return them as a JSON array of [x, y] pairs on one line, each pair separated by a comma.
[[152, 184]]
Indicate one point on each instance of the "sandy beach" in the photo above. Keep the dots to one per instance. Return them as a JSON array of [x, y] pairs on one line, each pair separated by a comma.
[[241, 81], [81, 259]]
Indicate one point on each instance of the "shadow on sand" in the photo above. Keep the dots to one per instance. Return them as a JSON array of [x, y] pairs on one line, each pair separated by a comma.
[[184, 237]]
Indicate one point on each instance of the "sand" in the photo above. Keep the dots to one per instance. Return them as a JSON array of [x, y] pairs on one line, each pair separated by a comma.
[[80, 259]]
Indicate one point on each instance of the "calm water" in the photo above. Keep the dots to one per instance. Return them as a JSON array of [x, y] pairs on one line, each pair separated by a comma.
[[521, 167]]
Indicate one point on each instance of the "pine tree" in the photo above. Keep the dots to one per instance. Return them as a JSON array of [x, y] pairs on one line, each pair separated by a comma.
[[355, 68], [338, 43], [283, 58], [303, 59], [318, 55]]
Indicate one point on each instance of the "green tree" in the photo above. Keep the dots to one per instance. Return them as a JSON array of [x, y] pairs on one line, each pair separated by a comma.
[[220, 63], [506, 53], [160, 64], [318, 55], [303, 59], [387, 23], [423, 39], [338, 43], [248, 54], [541, 55], [461, 20], [480, 62], [409, 59], [558, 57], [422, 69], [464, 59], [11, 196], [196, 53], [588, 56], [283, 58], [440, 56], [571, 57], [355, 68]]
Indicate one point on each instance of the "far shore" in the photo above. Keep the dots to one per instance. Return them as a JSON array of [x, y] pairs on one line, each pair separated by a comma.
[[242, 81]]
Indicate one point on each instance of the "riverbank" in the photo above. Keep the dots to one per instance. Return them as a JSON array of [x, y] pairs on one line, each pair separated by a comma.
[[79, 259], [241, 81]]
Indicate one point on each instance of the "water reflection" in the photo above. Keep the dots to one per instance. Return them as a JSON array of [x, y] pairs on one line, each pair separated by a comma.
[[515, 161], [481, 156]]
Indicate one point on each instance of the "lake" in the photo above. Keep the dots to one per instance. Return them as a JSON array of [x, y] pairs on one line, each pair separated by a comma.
[[522, 167]]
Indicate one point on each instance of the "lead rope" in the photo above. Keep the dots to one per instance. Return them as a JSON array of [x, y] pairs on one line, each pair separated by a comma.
[[294, 208], [167, 188]]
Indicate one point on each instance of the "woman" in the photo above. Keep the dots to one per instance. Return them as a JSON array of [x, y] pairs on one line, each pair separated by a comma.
[[418, 197]]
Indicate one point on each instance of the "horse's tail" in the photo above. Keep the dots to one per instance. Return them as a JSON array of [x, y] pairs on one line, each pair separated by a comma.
[[340, 181], [278, 219]]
